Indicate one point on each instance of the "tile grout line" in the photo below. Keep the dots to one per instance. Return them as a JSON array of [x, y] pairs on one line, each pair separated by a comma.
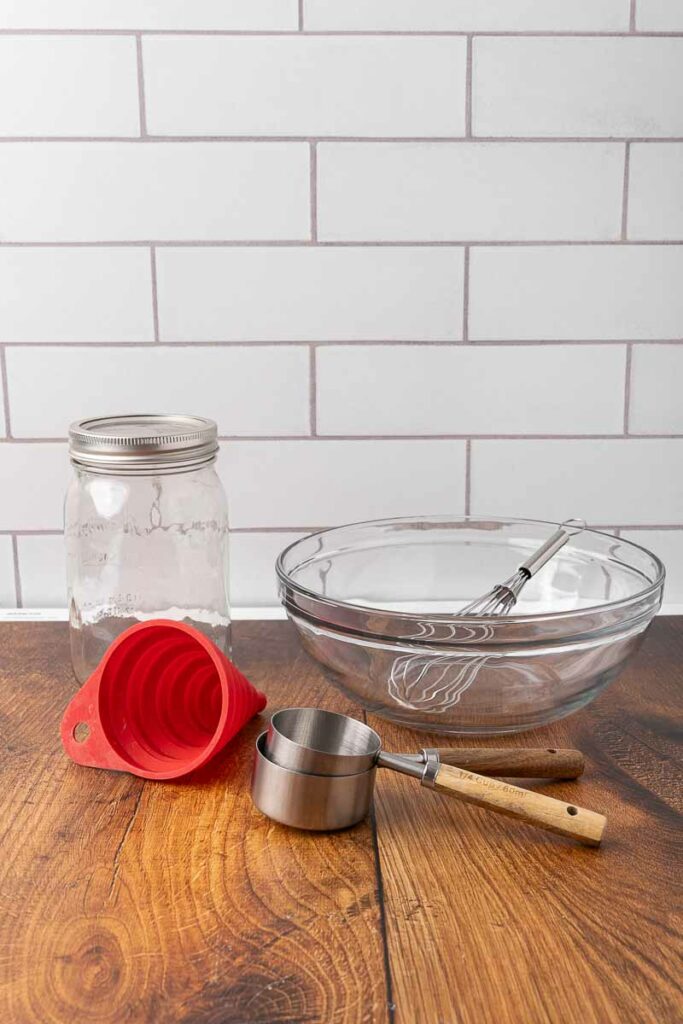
[[352, 342], [468, 89], [466, 297], [17, 574], [4, 385], [632, 17], [32, 533], [627, 387], [313, 391], [170, 138], [317, 437], [141, 87], [349, 33], [314, 527], [155, 298], [300, 14], [468, 475], [313, 190], [303, 243], [253, 438], [624, 198]]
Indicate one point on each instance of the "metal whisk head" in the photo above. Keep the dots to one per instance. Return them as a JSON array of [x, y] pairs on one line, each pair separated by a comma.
[[503, 597]]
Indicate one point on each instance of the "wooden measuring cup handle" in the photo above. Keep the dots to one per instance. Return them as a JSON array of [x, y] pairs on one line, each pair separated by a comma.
[[523, 762], [534, 808]]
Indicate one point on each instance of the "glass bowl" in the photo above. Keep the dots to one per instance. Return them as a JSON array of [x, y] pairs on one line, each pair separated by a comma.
[[377, 605]]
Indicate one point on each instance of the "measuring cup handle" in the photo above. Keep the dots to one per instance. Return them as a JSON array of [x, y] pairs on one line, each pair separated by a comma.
[[524, 762], [533, 808]]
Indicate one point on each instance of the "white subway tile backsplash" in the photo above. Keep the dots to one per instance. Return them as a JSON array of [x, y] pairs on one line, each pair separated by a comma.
[[68, 85], [657, 390], [132, 14], [34, 479], [668, 546], [606, 482], [53, 294], [299, 85], [252, 567], [467, 15], [576, 292], [659, 16], [42, 565], [470, 389], [247, 390], [8, 597], [577, 87], [321, 483], [310, 294], [655, 205], [63, 192], [471, 191], [165, 187]]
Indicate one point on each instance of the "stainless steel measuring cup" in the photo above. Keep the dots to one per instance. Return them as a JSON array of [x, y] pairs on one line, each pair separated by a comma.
[[315, 770], [292, 734]]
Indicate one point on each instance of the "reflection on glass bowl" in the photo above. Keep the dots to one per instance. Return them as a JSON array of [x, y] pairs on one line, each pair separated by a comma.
[[377, 605]]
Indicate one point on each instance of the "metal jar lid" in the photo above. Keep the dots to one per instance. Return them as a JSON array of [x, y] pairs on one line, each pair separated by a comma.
[[144, 444]]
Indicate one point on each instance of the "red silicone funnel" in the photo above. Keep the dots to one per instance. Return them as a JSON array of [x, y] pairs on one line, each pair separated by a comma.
[[160, 704]]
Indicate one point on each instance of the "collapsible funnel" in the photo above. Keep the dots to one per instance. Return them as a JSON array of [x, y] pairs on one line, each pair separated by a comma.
[[161, 703]]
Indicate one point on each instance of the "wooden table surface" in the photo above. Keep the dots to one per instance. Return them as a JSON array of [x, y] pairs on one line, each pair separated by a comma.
[[126, 901]]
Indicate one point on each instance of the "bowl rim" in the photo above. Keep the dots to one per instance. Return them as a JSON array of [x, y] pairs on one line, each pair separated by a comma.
[[448, 617]]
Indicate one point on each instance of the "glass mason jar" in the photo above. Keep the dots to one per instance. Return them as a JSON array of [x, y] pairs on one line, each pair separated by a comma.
[[146, 527]]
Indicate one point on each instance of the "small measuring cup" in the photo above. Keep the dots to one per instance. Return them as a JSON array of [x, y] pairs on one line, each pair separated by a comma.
[[315, 770]]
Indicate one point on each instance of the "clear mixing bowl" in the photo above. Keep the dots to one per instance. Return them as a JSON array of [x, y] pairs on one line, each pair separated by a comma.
[[377, 605]]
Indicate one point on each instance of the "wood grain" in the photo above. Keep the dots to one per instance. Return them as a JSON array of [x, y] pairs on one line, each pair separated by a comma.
[[523, 763], [509, 925], [565, 819], [157, 903]]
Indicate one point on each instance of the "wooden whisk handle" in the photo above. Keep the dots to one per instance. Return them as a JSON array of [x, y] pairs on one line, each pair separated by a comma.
[[523, 762], [533, 808]]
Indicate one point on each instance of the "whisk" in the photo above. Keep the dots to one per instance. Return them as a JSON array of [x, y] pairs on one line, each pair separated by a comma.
[[503, 597]]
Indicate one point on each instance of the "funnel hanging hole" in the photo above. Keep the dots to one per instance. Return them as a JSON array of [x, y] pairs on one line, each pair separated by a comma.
[[572, 810], [81, 731]]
